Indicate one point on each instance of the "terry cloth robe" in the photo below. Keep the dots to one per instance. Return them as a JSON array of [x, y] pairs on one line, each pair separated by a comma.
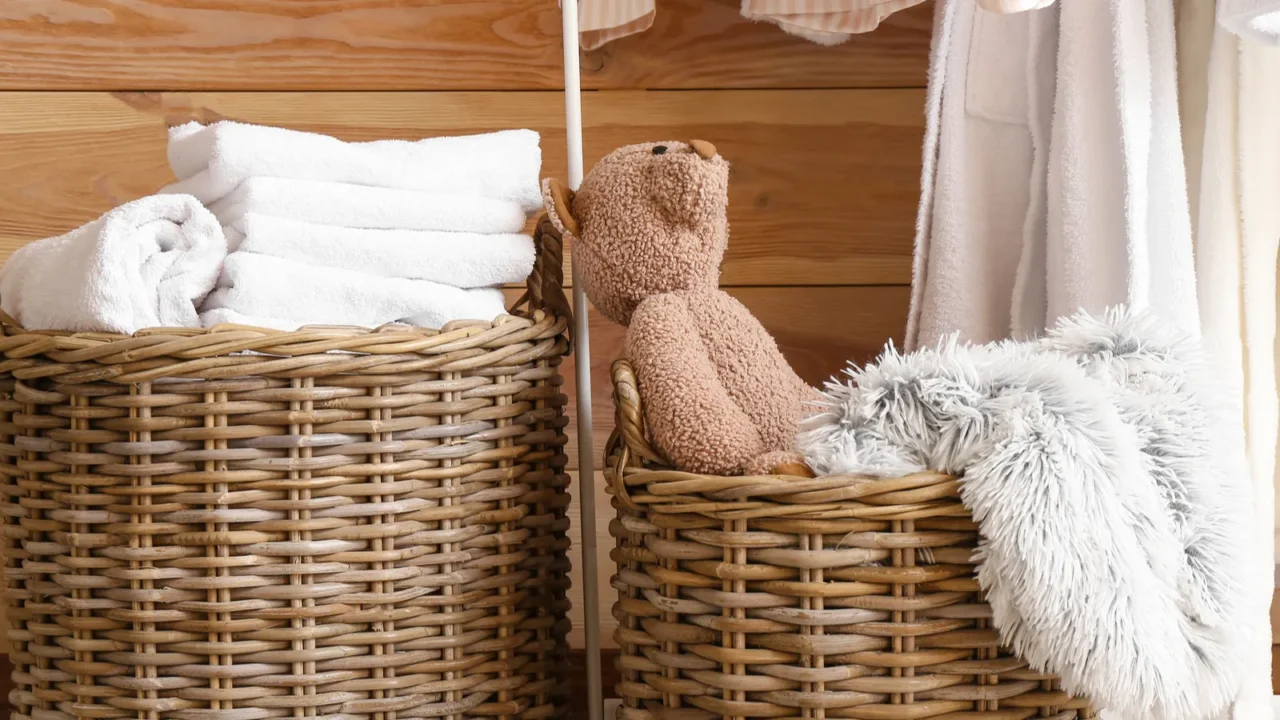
[[1229, 92], [1053, 172]]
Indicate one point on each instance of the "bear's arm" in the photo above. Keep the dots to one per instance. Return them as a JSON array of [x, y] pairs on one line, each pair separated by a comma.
[[690, 415]]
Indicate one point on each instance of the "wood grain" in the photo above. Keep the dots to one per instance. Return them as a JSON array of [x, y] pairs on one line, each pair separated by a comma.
[[818, 329], [423, 45], [823, 190]]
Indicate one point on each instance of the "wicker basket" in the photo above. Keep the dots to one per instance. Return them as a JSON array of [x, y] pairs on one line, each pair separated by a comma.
[[772, 597], [240, 524]]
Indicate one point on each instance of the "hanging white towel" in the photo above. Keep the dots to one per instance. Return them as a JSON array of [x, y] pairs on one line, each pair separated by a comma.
[[1053, 176], [147, 263], [293, 294], [1118, 227], [358, 206], [1231, 112], [1257, 20], [211, 161], [464, 260]]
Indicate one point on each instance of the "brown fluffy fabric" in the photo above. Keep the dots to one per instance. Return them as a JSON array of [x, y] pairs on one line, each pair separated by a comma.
[[719, 396]]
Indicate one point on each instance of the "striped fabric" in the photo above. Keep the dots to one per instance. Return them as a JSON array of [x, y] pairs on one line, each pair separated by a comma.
[[600, 21], [828, 22]]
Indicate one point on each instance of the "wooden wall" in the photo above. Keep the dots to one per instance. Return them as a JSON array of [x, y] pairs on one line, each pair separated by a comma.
[[824, 142]]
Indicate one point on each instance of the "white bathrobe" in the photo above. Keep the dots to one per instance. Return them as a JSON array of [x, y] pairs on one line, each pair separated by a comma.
[[1230, 99], [1054, 178], [1053, 171]]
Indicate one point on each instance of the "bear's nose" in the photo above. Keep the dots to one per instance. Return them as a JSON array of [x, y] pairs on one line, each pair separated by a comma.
[[659, 149], [705, 150]]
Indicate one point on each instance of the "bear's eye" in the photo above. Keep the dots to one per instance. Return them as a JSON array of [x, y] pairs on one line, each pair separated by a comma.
[[659, 149]]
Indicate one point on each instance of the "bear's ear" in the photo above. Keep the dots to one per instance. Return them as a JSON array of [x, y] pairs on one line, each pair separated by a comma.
[[558, 200]]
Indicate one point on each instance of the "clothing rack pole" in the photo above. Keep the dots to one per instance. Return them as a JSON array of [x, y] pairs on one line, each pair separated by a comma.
[[582, 365]]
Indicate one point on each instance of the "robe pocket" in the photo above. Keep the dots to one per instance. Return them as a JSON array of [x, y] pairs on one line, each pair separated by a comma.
[[996, 86]]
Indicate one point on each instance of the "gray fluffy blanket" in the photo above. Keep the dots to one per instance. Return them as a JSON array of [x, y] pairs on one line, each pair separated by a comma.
[[1109, 483]]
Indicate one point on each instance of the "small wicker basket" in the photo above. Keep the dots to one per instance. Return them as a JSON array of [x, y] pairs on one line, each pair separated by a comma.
[[239, 524], [775, 597]]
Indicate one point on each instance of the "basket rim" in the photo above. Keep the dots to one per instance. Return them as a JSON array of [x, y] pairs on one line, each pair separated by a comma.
[[639, 477], [539, 319], [191, 342]]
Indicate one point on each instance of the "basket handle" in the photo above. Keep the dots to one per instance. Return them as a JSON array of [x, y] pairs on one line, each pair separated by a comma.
[[8, 323], [629, 417], [545, 286]]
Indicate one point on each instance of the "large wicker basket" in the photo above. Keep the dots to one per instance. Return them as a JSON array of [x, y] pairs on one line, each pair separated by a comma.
[[239, 524], [773, 597]]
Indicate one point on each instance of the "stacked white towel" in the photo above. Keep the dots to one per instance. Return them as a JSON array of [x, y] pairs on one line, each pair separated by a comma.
[[326, 232], [271, 287], [212, 160]]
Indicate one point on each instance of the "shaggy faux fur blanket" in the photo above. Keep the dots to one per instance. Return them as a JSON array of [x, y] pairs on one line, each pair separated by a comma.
[[1107, 478]]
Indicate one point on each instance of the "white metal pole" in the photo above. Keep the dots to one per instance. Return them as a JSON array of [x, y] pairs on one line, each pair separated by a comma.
[[582, 363]]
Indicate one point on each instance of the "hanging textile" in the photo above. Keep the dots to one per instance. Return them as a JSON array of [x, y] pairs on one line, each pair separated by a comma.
[[1256, 20], [988, 109], [600, 21], [828, 22], [1053, 172], [1230, 112]]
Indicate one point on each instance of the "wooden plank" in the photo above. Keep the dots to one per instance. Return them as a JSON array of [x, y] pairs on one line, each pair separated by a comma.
[[423, 45], [1275, 669], [819, 329], [823, 191]]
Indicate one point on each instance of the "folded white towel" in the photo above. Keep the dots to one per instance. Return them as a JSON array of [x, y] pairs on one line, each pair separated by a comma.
[[293, 294], [464, 260], [147, 263], [357, 206], [210, 161], [1251, 19]]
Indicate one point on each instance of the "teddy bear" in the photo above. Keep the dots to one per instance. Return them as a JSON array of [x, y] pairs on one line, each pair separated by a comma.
[[649, 229]]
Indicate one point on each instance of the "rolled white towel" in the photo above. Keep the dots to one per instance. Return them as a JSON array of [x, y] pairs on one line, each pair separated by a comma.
[[147, 263], [358, 206], [292, 294], [210, 161], [464, 260]]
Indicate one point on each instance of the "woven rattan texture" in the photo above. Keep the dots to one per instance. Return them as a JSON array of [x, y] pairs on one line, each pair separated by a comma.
[[773, 597], [240, 524]]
